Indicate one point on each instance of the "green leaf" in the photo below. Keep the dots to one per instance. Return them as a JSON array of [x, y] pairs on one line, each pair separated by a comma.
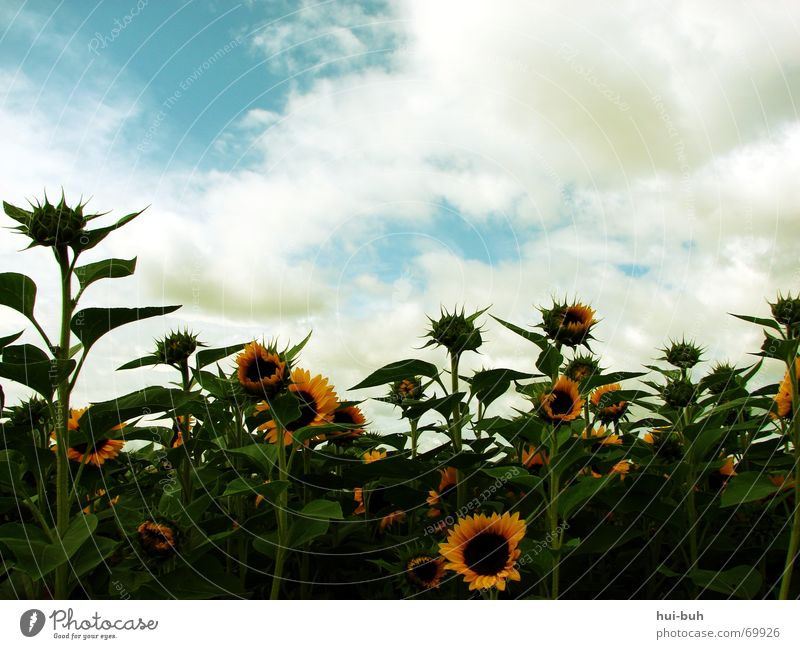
[[93, 237], [764, 322], [742, 581], [7, 340], [55, 554], [270, 490], [322, 509], [16, 213], [531, 336], [153, 400], [596, 380], [108, 268], [263, 456], [304, 530], [91, 324], [581, 493], [18, 292], [92, 555], [777, 347], [294, 351], [27, 543], [207, 356], [549, 361], [746, 487], [488, 385], [144, 361], [398, 371], [30, 366]]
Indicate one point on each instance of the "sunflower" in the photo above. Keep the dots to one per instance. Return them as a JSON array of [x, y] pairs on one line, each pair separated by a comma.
[[569, 324], [783, 399], [484, 549], [157, 539], [621, 468], [562, 403], [259, 498], [95, 502], [178, 429], [353, 419], [533, 457], [729, 468], [95, 453], [397, 516], [611, 412], [318, 403], [447, 485], [425, 571], [260, 370], [358, 496], [600, 436], [373, 456]]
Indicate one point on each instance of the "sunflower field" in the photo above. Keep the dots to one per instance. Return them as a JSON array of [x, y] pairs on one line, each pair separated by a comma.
[[251, 476]]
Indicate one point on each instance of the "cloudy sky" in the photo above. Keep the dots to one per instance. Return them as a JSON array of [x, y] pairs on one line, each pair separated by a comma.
[[348, 167]]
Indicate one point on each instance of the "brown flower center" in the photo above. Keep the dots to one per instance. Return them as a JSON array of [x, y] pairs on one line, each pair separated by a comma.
[[261, 369], [424, 572], [487, 553], [562, 403]]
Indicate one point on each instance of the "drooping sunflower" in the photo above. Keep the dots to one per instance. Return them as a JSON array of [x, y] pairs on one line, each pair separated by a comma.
[[562, 403], [485, 549], [447, 486], [601, 437], [425, 571], [318, 403], [95, 453], [157, 539], [260, 370], [352, 419], [611, 412]]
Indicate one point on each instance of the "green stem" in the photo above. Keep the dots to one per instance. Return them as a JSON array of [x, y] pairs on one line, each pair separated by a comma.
[[461, 487], [414, 438], [62, 420], [794, 536], [552, 513], [281, 515]]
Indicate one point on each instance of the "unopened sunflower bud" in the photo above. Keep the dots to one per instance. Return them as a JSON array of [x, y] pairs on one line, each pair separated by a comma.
[[176, 347], [679, 393], [456, 332], [50, 225], [568, 324], [682, 354], [786, 310]]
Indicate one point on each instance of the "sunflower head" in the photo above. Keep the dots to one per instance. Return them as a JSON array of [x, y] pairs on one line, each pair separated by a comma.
[[533, 458], [601, 436], [424, 571], [408, 389], [373, 456], [683, 355], [262, 371], [159, 540], [317, 403], [665, 445], [456, 332], [352, 420], [563, 403], [608, 411], [581, 368], [96, 450], [484, 549], [568, 324], [723, 377], [30, 414], [176, 347], [679, 393], [50, 225], [783, 400], [786, 310]]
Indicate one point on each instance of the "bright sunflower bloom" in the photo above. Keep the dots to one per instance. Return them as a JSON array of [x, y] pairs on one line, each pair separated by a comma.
[[484, 549], [600, 436], [95, 453], [353, 419], [447, 485], [562, 403], [260, 370], [612, 412], [373, 456], [533, 457], [425, 571], [569, 324], [318, 403]]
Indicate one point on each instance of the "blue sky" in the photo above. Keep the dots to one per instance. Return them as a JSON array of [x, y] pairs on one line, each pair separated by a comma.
[[349, 167]]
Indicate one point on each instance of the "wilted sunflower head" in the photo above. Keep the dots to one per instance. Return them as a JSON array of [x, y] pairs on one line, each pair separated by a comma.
[[608, 411], [159, 540], [683, 355], [581, 368], [484, 549], [50, 225], [786, 310], [456, 332], [261, 370], [562, 403], [176, 347], [679, 393], [568, 324]]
